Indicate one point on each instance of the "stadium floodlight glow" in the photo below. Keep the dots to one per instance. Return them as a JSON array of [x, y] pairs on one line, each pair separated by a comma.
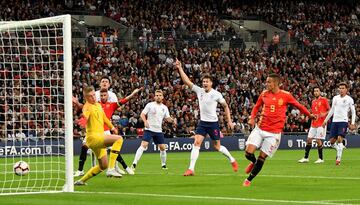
[[36, 105]]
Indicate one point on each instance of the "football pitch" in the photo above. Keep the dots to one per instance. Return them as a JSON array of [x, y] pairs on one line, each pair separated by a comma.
[[281, 181]]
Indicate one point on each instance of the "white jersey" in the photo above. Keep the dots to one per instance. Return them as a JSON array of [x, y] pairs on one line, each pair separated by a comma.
[[155, 115], [208, 102], [340, 109], [112, 96]]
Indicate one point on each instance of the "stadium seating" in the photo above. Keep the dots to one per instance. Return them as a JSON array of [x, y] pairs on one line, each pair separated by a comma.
[[327, 53]]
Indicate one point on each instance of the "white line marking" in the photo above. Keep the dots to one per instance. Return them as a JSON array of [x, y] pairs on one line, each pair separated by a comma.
[[342, 200], [311, 177], [264, 175], [28, 193], [211, 197]]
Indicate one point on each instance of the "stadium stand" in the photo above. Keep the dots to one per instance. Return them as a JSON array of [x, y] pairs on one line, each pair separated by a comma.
[[327, 52]]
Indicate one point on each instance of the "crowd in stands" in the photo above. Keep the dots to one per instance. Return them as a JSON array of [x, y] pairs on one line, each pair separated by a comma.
[[311, 22], [239, 77], [16, 10], [318, 22], [308, 22], [159, 18], [32, 86], [175, 17]]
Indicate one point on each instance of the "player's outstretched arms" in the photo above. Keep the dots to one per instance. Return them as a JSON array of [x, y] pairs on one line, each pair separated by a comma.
[[127, 98], [183, 75], [136, 91]]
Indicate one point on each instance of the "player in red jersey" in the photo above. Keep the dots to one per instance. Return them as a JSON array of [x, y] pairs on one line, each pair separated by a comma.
[[319, 107], [267, 134], [109, 109]]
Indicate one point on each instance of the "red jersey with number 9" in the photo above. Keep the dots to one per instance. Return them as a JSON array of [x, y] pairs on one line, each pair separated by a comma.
[[274, 106]]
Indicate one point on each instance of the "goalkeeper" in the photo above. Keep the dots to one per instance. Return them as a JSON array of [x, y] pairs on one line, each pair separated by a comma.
[[97, 140]]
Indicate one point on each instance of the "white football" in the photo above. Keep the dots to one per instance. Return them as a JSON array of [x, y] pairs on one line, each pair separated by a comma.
[[21, 168]]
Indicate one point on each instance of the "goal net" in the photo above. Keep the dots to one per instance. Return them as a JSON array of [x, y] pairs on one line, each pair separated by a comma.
[[36, 105]]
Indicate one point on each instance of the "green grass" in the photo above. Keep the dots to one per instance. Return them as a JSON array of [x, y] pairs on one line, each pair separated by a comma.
[[281, 181]]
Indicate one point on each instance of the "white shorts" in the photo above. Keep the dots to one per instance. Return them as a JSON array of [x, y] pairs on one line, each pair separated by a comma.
[[107, 132], [317, 133], [267, 142]]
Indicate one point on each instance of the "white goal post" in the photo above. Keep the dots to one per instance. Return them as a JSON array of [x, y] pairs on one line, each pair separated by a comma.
[[36, 117]]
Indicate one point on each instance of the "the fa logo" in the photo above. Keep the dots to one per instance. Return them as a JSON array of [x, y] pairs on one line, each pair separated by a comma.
[[241, 144], [48, 149], [290, 143], [207, 144]]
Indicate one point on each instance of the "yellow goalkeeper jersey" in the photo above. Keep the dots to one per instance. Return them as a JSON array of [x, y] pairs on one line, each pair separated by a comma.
[[96, 118]]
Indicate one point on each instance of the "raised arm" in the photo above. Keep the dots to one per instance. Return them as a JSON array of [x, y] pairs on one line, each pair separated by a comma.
[[183, 75], [127, 98]]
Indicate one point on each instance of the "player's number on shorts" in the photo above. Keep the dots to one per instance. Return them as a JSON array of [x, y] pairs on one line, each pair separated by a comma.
[[272, 108]]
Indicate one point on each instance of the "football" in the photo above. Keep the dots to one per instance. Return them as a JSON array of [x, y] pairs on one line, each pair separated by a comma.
[[21, 168]]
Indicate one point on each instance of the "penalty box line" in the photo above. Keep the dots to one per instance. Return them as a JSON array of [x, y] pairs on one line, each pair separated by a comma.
[[210, 198], [262, 175]]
